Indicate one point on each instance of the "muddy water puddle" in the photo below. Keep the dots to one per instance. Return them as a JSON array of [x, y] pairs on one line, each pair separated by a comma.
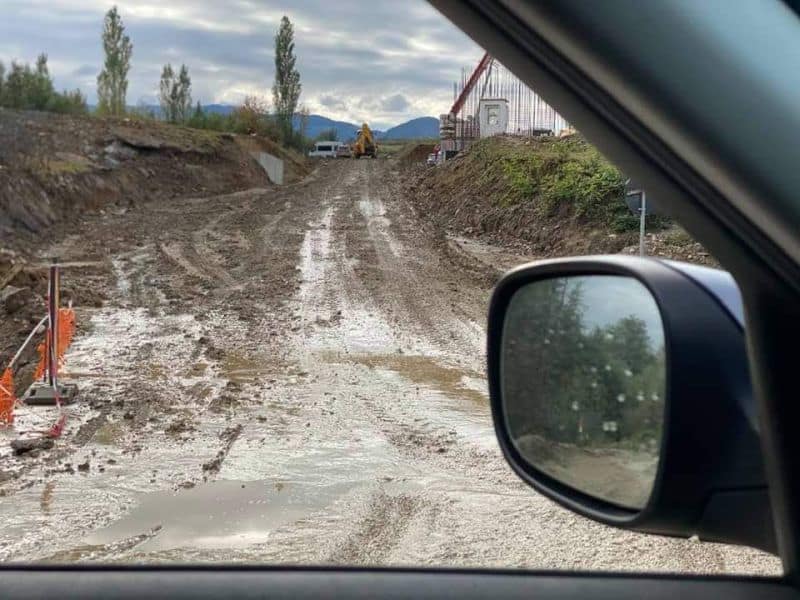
[[218, 514], [428, 393], [305, 447], [240, 368], [300, 487], [424, 370]]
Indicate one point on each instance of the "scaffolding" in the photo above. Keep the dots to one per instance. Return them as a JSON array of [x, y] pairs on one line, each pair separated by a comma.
[[528, 113]]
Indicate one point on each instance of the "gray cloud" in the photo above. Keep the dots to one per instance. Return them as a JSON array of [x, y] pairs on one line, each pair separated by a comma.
[[332, 102], [382, 62], [397, 103], [85, 71]]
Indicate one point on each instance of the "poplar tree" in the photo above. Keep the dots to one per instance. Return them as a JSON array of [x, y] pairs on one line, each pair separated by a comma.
[[175, 94], [112, 82], [286, 89]]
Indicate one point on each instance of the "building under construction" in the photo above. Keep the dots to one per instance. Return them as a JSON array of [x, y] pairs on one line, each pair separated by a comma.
[[491, 100]]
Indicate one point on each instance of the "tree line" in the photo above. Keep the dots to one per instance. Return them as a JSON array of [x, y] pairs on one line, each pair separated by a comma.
[[26, 87], [31, 88]]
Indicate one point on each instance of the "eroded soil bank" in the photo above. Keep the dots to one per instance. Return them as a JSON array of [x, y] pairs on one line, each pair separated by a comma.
[[541, 197]]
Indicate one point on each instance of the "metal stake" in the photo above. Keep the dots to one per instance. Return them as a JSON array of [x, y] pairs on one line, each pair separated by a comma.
[[52, 342], [642, 214]]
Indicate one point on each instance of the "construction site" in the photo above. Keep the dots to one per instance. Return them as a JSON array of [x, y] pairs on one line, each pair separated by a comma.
[[206, 357], [489, 101]]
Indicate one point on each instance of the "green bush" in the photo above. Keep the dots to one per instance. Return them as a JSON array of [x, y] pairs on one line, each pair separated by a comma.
[[27, 88], [561, 176], [73, 103], [251, 117]]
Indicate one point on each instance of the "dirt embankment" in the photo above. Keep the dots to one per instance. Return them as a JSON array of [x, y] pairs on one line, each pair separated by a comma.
[[55, 170], [542, 197], [56, 167], [415, 154], [295, 165]]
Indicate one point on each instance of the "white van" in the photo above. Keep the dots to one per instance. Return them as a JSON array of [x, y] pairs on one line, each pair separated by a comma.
[[324, 150]]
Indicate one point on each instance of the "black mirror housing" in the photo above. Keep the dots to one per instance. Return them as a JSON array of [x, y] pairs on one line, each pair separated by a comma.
[[710, 478]]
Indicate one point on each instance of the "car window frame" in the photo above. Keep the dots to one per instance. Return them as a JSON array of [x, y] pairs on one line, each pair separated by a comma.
[[535, 48]]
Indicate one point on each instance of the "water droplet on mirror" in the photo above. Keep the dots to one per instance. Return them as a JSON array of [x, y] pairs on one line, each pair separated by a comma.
[[621, 398], [575, 406], [640, 396], [594, 384], [628, 373], [609, 336], [608, 367], [654, 397]]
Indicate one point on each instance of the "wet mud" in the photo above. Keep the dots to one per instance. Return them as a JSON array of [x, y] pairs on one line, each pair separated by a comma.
[[292, 375]]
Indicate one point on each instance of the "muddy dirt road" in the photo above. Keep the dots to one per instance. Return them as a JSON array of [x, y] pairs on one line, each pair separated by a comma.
[[291, 375]]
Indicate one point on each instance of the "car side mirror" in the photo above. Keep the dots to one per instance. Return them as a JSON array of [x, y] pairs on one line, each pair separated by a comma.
[[620, 388]]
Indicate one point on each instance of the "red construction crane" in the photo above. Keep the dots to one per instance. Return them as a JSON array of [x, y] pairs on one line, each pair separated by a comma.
[[473, 79]]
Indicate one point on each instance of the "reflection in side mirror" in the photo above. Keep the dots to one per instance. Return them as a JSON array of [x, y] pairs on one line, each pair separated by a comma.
[[620, 388], [583, 374]]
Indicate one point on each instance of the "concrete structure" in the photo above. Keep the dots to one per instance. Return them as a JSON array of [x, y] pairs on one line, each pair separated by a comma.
[[44, 394], [492, 116], [493, 101], [272, 165]]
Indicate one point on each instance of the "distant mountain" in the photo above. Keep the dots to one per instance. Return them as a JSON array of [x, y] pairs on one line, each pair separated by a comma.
[[423, 127], [219, 109], [155, 109], [317, 124], [214, 109]]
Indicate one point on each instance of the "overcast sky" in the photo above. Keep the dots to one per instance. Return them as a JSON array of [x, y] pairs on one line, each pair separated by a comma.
[[383, 61]]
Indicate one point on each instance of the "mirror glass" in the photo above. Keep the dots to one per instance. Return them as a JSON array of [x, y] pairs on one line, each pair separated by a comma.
[[583, 378]]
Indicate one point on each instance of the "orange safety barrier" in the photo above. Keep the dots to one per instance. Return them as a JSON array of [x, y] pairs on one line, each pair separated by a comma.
[[49, 358], [66, 331], [7, 398], [42, 350]]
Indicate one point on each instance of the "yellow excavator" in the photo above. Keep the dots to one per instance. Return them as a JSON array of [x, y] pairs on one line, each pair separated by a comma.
[[365, 144]]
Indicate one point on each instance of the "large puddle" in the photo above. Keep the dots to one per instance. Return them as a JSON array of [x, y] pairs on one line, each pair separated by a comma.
[[298, 486], [219, 514]]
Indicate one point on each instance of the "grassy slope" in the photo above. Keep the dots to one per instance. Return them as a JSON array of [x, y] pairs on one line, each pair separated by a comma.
[[555, 174], [548, 196]]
